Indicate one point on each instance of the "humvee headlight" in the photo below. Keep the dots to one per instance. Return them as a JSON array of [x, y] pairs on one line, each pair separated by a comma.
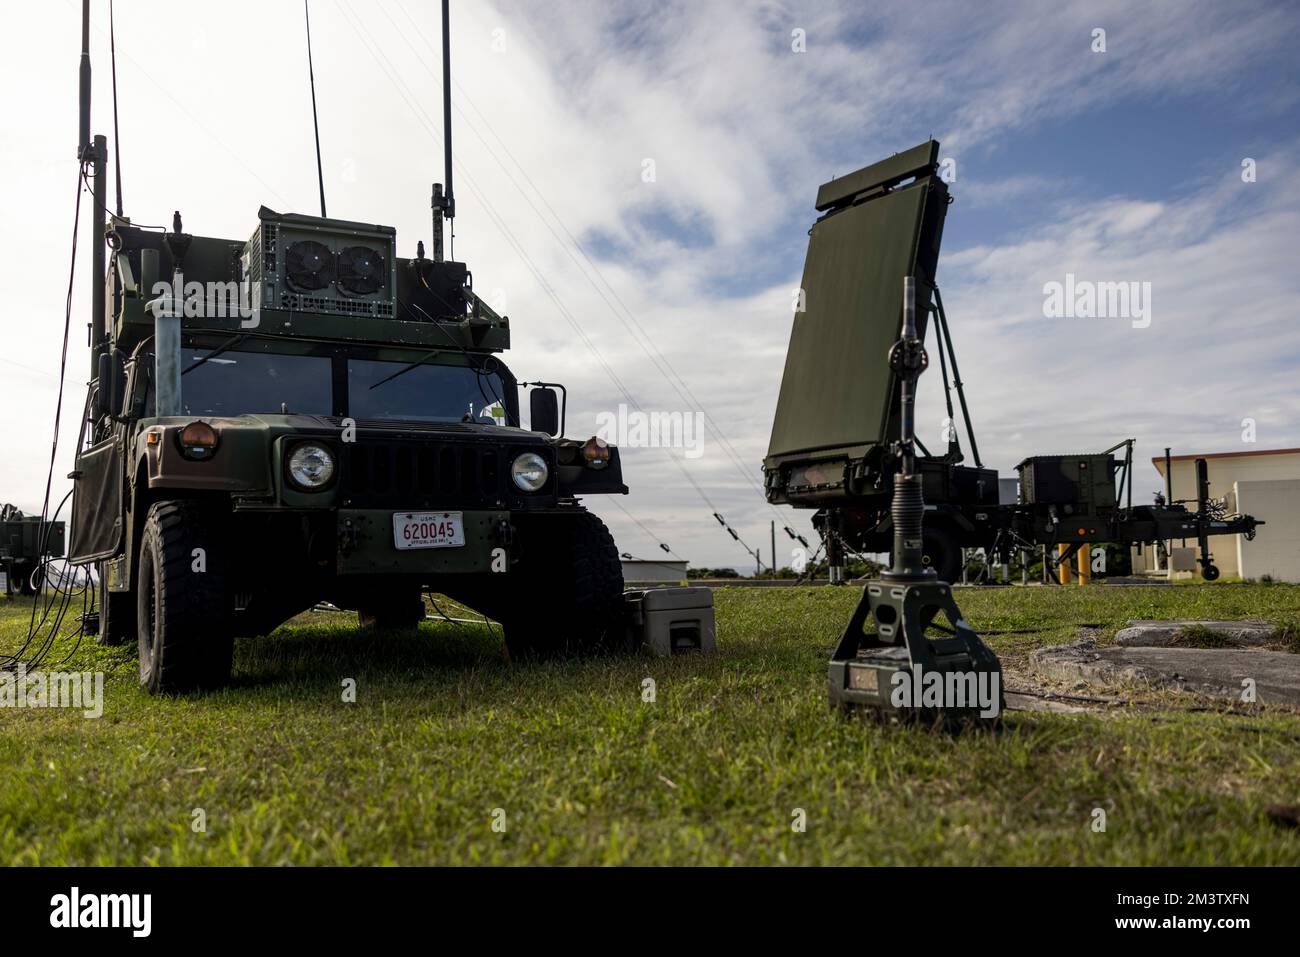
[[595, 452], [311, 466], [198, 441], [529, 471]]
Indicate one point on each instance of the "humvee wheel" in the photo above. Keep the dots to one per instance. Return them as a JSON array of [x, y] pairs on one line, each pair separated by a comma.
[[393, 611], [183, 613], [566, 590], [116, 614]]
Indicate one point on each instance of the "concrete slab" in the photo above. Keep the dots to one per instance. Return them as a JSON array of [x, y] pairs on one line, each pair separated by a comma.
[[1162, 634], [1219, 672], [1024, 702]]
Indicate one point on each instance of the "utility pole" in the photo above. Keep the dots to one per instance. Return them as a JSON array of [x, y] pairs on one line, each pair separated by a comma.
[[774, 548]]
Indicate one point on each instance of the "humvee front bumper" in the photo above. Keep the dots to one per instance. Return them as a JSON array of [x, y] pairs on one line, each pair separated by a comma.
[[366, 544]]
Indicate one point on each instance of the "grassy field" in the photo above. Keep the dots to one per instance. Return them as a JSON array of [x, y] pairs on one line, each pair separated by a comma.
[[445, 737]]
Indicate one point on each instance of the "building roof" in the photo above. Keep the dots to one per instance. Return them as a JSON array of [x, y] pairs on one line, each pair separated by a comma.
[[1159, 460]]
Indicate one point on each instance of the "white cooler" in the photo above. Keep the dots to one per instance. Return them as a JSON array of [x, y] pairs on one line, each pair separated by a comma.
[[671, 621]]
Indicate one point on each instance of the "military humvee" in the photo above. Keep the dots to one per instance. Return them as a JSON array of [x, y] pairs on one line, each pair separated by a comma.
[[306, 416]]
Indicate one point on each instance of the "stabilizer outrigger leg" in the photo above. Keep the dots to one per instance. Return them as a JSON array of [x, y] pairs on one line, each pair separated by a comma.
[[896, 670]]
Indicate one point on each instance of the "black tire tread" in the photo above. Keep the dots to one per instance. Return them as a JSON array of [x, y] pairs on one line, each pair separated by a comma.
[[194, 646], [569, 603]]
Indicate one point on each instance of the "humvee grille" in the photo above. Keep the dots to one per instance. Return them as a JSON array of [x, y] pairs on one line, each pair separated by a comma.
[[412, 473]]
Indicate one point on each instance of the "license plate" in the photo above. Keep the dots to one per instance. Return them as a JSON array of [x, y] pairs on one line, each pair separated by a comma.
[[428, 530]]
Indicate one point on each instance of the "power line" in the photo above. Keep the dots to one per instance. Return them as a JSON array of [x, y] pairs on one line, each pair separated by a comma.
[[653, 537]]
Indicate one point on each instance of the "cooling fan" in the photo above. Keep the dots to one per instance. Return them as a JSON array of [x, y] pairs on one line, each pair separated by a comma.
[[309, 265], [362, 270]]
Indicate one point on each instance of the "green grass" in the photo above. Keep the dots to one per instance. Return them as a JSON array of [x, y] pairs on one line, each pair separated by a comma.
[[1200, 636], [444, 730]]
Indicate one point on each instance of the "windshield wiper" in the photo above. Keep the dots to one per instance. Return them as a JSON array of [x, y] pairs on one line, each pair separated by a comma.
[[224, 347], [405, 369]]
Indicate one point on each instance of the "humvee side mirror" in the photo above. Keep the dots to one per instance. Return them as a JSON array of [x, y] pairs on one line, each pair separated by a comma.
[[544, 411], [140, 389], [103, 385], [117, 377], [108, 392]]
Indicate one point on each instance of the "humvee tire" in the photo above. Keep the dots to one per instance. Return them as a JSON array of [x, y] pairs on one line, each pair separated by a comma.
[[183, 615], [393, 610], [116, 614], [566, 591]]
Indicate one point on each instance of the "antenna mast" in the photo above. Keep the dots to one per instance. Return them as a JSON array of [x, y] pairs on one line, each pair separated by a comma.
[[444, 203], [93, 152]]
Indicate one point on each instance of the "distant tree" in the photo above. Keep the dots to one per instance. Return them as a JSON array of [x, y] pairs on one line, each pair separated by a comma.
[[712, 573]]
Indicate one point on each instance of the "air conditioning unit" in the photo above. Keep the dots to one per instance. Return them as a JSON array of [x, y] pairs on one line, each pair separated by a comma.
[[331, 266]]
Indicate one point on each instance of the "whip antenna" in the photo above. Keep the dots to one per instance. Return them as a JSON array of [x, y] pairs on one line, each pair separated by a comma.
[[117, 138], [311, 74]]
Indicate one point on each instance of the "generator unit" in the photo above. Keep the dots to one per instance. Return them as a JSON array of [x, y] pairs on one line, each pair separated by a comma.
[[25, 544], [314, 264], [1076, 484]]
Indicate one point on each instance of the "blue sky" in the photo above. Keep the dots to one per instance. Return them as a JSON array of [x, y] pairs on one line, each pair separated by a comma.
[[1122, 165]]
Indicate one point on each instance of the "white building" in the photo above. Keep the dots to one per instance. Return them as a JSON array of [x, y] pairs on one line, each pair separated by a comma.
[[1263, 483], [638, 570]]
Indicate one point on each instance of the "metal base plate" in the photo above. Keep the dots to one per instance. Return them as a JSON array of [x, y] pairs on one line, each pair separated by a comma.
[[901, 674]]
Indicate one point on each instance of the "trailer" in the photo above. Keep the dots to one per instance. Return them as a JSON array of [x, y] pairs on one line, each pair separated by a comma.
[[875, 227]]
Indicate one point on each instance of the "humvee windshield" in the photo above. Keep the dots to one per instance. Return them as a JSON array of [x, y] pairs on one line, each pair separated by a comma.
[[235, 383], [426, 392]]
